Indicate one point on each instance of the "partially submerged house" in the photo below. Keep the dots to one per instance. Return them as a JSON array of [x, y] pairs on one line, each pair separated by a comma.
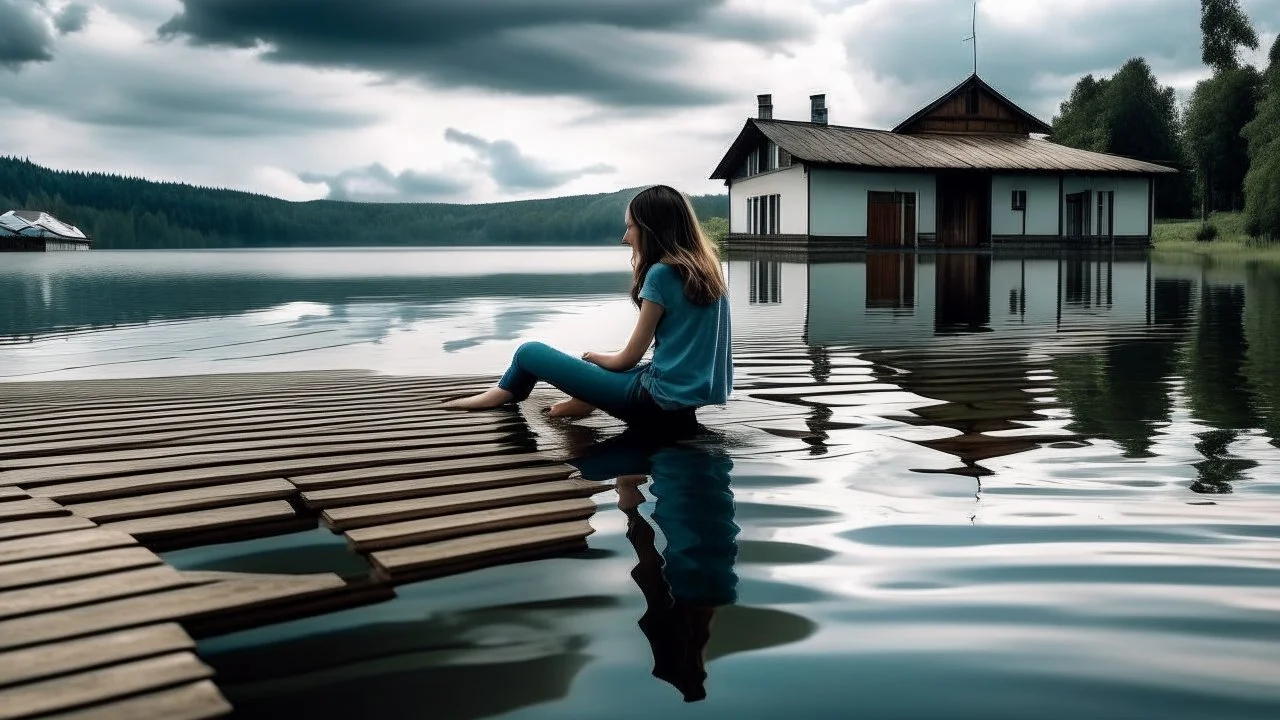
[[966, 171], [39, 232]]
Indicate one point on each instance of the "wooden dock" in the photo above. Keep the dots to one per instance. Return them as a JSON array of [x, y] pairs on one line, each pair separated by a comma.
[[97, 477]]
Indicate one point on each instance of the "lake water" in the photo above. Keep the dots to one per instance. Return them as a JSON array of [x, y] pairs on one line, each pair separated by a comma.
[[981, 488]]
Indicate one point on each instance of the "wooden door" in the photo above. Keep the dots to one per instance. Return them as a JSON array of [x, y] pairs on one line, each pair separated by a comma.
[[891, 219], [962, 216], [884, 220]]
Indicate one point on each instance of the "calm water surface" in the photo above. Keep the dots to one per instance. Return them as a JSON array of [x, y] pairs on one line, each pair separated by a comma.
[[965, 487]]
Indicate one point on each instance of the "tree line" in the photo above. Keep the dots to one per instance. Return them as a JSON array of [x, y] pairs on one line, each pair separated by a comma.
[[123, 212], [1226, 140]]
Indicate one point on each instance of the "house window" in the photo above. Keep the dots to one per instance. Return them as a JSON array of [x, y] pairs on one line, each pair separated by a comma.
[[766, 283], [1019, 199], [763, 214], [971, 101], [753, 163]]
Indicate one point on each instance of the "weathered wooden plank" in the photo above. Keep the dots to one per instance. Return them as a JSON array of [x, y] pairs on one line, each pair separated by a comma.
[[8, 493], [194, 701], [457, 435], [67, 543], [402, 471], [44, 661], [103, 684], [181, 604], [98, 589], [424, 487], [345, 518], [418, 532], [450, 556], [108, 488], [65, 448], [426, 448], [42, 526], [128, 423], [202, 498], [30, 508], [70, 567], [150, 528], [215, 424], [115, 407]]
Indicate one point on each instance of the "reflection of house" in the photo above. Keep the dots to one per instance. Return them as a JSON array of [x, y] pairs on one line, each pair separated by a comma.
[[964, 171], [897, 300], [39, 231]]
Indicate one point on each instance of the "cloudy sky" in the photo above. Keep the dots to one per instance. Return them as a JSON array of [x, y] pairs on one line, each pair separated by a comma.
[[483, 100]]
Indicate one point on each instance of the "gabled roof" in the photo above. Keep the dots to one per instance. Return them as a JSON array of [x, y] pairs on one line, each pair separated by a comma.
[[880, 149], [1034, 123]]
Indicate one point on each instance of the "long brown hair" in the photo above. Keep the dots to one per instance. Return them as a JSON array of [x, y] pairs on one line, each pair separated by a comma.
[[668, 230]]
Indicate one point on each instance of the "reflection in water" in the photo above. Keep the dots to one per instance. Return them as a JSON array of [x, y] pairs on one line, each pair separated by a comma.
[[1106, 338], [693, 575]]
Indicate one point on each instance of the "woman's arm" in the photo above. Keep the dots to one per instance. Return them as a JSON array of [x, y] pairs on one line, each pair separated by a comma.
[[641, 339]]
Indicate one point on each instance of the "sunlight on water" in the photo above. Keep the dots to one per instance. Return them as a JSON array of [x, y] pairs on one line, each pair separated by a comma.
[[956, 486]]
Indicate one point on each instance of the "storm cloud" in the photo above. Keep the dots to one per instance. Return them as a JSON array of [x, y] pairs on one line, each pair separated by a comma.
[[72, 18], [26, 35], [617, 53], [513, 171], [376, 183]]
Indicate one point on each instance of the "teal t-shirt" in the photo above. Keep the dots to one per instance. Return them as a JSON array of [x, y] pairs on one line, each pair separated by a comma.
[[692, 361]]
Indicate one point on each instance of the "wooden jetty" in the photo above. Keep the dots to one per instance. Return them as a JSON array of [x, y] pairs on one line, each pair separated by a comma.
[[97, 477]]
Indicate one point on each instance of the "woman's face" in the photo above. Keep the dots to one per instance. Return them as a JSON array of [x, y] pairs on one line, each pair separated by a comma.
[[631, 236]]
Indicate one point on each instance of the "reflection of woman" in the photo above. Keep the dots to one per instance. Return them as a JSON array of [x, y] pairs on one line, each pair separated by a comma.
[[693, 575]]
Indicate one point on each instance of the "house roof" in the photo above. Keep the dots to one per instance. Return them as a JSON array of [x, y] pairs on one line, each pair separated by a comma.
[[881, 149], [901, 149], [33, 223], [1033, 122]]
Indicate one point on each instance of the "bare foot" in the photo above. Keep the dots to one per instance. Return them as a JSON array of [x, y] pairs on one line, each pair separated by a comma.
[[487, 400], [571, 408]]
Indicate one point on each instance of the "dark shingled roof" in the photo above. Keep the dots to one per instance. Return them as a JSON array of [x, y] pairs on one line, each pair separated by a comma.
[[880, 149]]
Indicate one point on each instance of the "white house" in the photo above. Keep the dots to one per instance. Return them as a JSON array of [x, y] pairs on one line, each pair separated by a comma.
[[966, 171]]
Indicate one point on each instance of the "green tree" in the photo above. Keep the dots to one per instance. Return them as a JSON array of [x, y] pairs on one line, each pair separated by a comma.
[[1129, 114], [1225, 29], [1262, 183], [1219, 110]]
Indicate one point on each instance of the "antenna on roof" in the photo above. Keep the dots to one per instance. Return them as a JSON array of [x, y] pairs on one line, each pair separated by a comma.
[[974, 37]]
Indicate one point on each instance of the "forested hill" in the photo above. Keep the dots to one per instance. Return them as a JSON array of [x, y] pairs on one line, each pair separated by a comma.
[[120, 212]]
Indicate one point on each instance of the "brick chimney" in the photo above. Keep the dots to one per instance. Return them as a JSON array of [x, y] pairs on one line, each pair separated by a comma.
[[766, 107], [818, 109]]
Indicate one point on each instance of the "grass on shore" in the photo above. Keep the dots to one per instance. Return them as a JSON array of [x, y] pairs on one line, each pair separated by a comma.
[[1179, 236]]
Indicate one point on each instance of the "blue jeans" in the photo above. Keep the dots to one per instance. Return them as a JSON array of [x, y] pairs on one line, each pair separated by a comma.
[[618, 393]]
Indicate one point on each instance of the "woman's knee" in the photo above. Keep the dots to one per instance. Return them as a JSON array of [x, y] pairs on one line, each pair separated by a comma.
[[530, 349]]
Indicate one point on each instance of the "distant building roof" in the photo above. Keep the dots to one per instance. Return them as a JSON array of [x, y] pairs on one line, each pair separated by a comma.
[[34, 223]]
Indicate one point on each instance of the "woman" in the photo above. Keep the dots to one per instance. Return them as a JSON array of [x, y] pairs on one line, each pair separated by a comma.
[[682, 297]]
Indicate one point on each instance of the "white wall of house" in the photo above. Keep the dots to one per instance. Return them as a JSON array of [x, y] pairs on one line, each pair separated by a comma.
[[1132, 201], [839, 201], [793, 205], [1042, 204]]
